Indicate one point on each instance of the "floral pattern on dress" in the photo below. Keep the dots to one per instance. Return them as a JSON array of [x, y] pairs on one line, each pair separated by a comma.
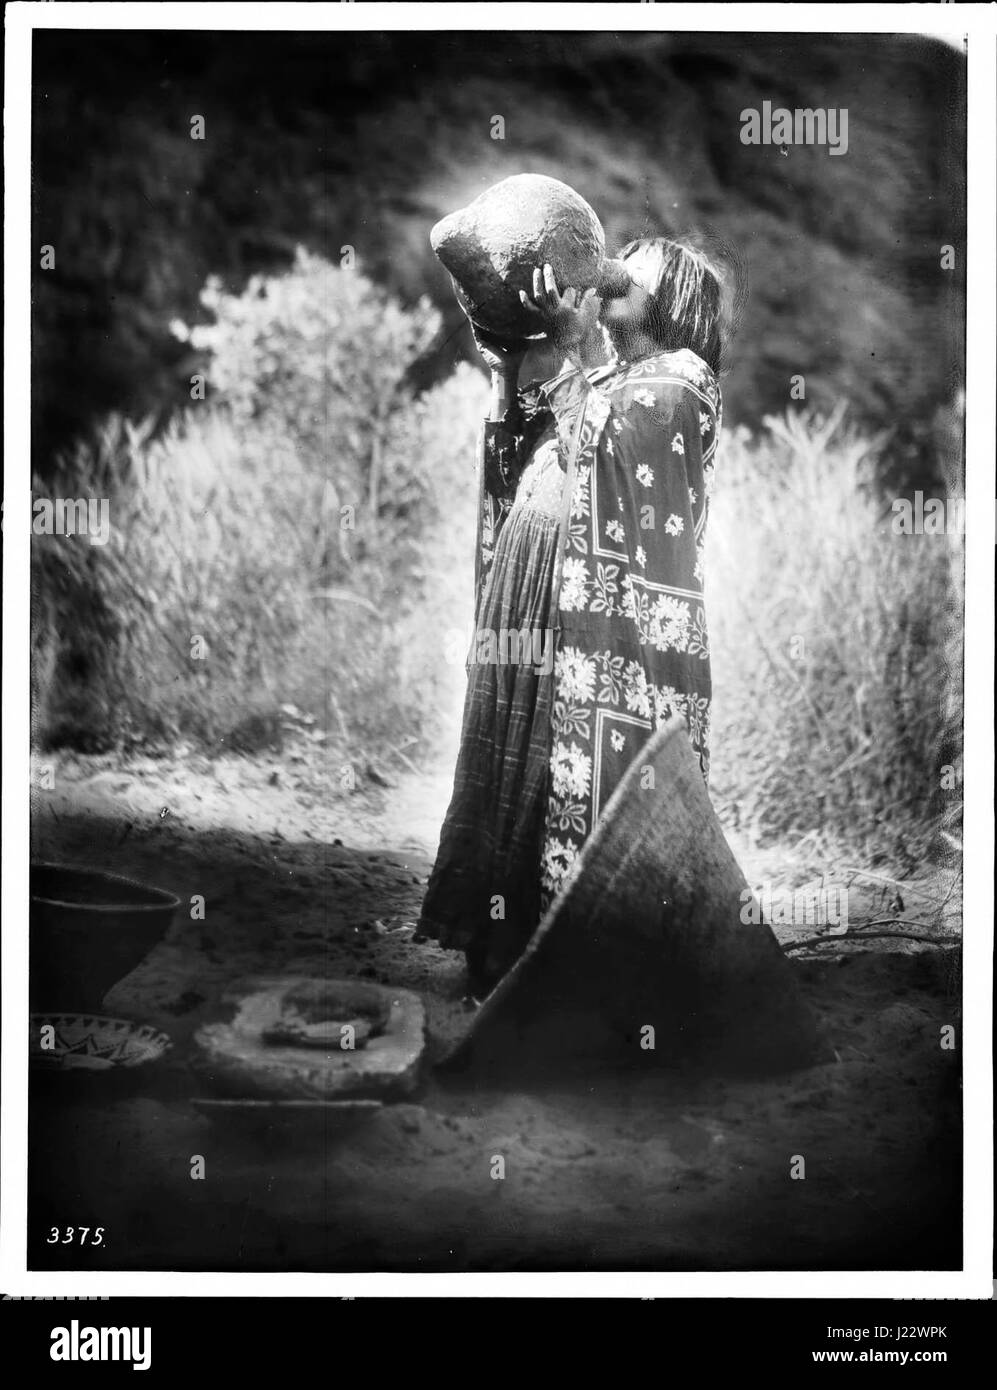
[[632, 650], [574, 584], [632, 647]]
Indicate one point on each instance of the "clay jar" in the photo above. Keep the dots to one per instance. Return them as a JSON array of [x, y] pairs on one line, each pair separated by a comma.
[[491, 247]]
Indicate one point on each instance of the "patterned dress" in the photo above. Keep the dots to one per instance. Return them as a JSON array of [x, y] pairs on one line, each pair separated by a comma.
[[559, 705]]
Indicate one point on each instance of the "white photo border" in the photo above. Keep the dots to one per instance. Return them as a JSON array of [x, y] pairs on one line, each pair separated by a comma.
[[956, 23]]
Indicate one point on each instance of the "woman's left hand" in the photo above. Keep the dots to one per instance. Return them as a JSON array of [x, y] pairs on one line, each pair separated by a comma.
[[569, 317]]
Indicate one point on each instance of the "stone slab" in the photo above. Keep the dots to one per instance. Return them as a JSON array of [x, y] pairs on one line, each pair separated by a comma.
[[237, 1058]]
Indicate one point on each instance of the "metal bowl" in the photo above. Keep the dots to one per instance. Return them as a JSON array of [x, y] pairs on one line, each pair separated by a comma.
[[88, 930]]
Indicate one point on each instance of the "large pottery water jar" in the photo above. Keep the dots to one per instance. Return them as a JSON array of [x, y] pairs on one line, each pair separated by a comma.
[[491, 247], [88, 930]]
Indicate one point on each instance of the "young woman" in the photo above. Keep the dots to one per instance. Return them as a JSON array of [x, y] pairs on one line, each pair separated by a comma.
[[591, 629]]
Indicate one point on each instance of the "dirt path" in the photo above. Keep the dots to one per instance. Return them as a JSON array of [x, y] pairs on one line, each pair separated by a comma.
[[661, 1169]]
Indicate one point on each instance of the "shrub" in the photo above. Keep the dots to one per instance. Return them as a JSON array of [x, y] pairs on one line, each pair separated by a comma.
[[836, 642], [306, 523], [836, 647]]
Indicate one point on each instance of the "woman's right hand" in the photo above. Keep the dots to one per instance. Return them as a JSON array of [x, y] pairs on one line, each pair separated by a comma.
[[502, 355]]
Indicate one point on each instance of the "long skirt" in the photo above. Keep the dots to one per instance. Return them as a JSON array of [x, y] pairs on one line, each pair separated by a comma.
[[484, 894]]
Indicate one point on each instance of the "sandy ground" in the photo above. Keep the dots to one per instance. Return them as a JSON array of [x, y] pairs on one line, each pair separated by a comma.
[[660, 1168]]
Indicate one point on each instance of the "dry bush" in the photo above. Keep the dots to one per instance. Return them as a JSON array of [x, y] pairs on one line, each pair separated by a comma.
[[304, 528], [836, 642], [836, 648]]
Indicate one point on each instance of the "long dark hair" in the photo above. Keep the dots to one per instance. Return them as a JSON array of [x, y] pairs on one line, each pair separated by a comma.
[[684, 309]]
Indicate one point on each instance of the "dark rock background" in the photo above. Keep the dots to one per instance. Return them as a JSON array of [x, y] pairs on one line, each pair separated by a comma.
[[367, 139]]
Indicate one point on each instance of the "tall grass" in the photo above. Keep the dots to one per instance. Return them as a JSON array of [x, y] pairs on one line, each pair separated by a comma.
[[303, 537], [836, 641], [837, 648]]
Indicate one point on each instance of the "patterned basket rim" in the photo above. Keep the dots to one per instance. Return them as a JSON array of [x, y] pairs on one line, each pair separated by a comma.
[[107, 1023], [147, 1042]]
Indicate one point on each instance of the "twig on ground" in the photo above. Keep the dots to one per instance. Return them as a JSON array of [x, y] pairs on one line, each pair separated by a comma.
[[399, 754], [866, 936], [905, 884]]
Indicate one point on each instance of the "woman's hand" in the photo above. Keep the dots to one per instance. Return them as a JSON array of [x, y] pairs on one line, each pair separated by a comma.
[[501, 355], [567, 318]]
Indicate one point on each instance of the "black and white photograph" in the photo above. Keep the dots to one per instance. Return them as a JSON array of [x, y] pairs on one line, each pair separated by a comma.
[[497, 591]]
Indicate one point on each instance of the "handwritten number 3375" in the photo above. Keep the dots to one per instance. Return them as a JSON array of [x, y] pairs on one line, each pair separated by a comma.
[[84, 1232]]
